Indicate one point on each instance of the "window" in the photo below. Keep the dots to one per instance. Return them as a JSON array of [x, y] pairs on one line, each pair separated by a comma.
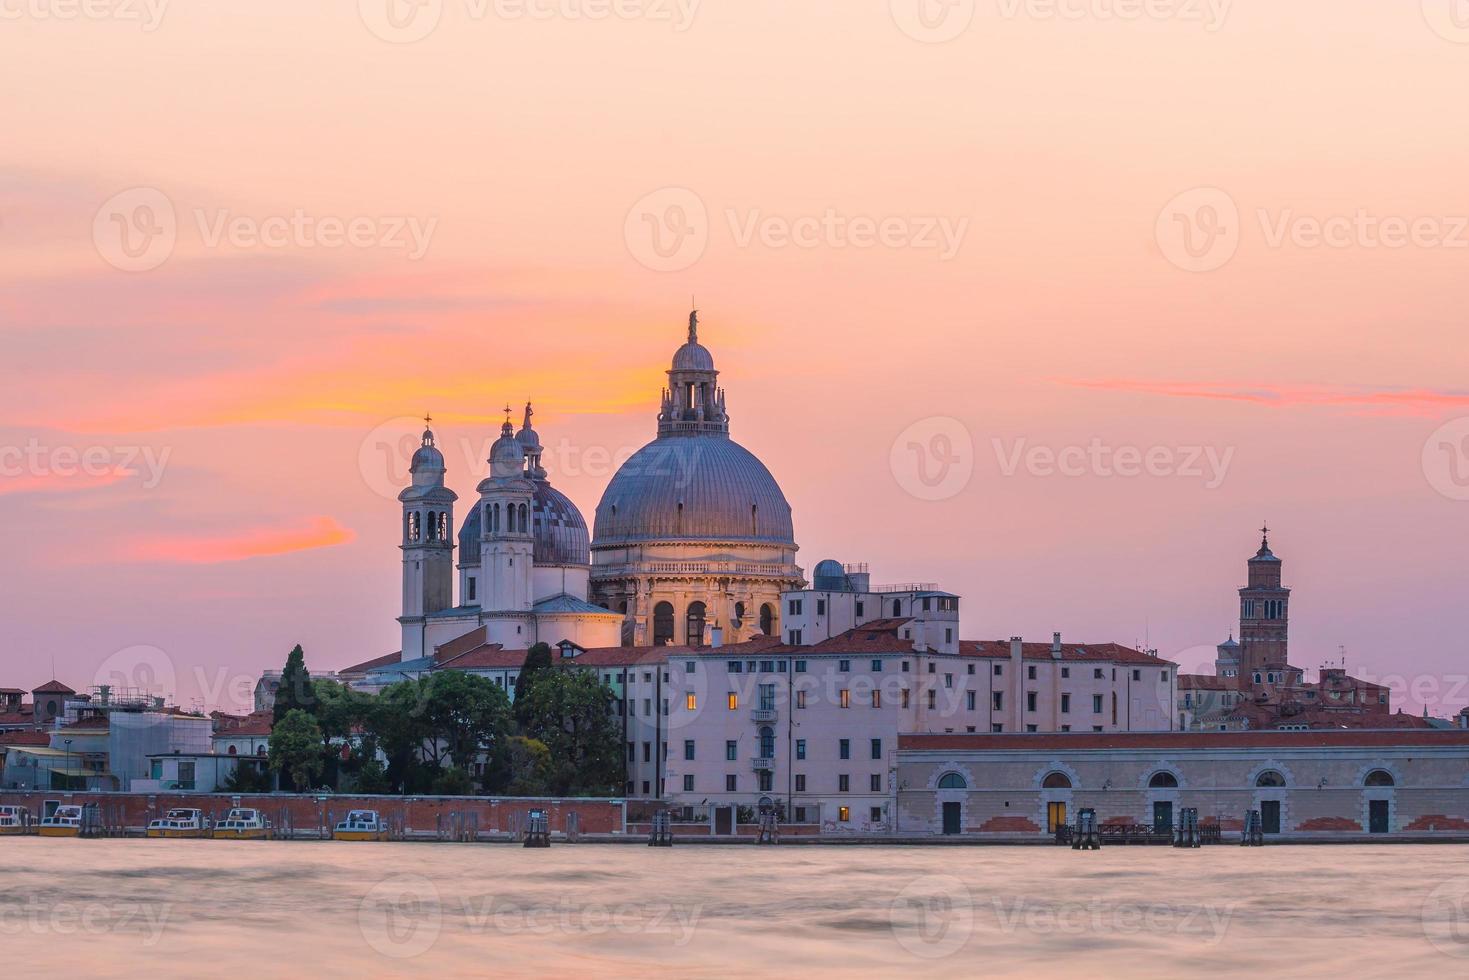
[[933, 668], [795, 638], [844, 666], [688, 784], [1096, 704], [1096, 673], [1066, 704], [1030, 672], [800, 812], [876, 814], [766, 780], [844, 783], [952, 780], [1377, 777], [472, 595], [1163, 676], [793, 607], [647, 751], [1030, 700], [906, 694], [632, 750], [1163, 780], [999, 670], [844, 748], [734, 701], [877, 748], [821, 607], [844, 814], [845, 697], [691, 702], [731, 750], [731, 783], [1137, 675], [997, 700], [1032, 728], [1056, 780], [996, 727], [859, 608], [767, 742], [735, 667], [800, 784], [933, 697], [688, 666], [800, 748], [767, 697], [877, 666], [688, 748], [1270, 778], [800, 699], [969, 700], [1065, 672], [874, 783], [948, 680], [905, 666], [800, 666]]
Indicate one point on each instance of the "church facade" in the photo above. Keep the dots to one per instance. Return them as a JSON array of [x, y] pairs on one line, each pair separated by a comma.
[[692, 534]]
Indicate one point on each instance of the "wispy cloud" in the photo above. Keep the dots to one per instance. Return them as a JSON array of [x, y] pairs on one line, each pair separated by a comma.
[[50, 483], [259, 542], [1361, 400]]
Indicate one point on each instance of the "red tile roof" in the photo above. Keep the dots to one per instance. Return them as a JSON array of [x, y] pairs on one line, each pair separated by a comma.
[[25, 738], [1204, 682], [53, 687], [472, 640], [1179, 741], [367, 665], [1098, 652], [241, 726]]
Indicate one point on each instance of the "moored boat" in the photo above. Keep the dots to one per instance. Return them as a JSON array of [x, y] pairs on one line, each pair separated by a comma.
[[180, 823], [361, 825], [242, 823], [15, 820], [69, 820]]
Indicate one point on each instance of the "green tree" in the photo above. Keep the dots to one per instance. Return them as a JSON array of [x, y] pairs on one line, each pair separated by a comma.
[[247, 778], [395, 721], [530, 767], [295, 687], [295, 748], [465, 716], [569, 711]]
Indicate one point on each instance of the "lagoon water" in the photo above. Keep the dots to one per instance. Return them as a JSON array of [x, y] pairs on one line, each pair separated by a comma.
[[133, 908]]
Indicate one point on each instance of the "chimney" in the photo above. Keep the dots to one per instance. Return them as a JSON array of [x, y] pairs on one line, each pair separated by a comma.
[[716, 636], [1055, 646]]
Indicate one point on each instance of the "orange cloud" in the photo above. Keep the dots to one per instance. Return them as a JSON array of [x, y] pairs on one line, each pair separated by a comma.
[[60, 483], [320, 532], [1365, 400]]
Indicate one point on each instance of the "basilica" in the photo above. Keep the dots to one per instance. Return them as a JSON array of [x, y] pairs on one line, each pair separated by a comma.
[[692, 534]]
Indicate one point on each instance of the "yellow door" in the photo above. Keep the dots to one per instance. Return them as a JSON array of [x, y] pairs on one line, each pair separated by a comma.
[[1055, 816]]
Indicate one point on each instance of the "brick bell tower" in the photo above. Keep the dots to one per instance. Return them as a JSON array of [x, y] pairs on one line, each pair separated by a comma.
[[1264, 614]]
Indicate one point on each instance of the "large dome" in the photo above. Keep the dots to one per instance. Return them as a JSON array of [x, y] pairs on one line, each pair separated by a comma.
[[559, 530], [704, 487]]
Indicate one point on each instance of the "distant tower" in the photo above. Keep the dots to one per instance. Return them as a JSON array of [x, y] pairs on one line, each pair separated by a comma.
[[507, 549], [693, 401], [428, 544], [1264, 610]]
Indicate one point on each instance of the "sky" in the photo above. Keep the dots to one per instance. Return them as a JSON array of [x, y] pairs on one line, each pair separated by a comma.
[[1051, 302]]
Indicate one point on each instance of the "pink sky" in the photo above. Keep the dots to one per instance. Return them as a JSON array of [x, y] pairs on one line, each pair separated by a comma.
[[193, 433]]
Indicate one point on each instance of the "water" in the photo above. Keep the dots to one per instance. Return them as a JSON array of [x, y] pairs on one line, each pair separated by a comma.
[[130, 908]]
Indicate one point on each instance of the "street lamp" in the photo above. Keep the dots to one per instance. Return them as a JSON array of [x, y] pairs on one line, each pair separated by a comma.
[[67, 743]]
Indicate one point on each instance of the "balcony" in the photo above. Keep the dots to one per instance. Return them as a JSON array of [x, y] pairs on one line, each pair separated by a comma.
[[762, 716], [762, 765]]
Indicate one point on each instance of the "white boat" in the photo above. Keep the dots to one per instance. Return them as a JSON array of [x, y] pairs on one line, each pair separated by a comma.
[[242, 823], [180, 823], [14, 820], [361, 825], [67, 821]]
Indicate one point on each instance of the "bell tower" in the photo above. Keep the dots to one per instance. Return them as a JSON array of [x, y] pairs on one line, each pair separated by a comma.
[[428, 543], [507, 546], [1264, 614]]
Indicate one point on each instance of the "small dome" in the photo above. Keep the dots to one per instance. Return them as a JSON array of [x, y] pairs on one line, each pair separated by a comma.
[[427, 467], [557, 527], [693, 356], [829, 576], [507, 457]]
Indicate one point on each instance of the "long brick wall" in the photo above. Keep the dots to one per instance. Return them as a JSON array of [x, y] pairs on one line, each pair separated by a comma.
[[420, 815]]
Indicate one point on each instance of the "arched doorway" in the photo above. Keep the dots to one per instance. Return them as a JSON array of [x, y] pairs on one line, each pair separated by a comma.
[[662, 624], [767, 620], [694, 625]]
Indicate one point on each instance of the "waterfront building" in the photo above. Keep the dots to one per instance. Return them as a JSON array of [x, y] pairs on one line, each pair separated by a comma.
[[1305, 784]]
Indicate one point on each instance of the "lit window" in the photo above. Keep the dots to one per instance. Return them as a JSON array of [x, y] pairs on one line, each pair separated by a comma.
[[691, 702], [846, 698], [844, 814], [734, 701]]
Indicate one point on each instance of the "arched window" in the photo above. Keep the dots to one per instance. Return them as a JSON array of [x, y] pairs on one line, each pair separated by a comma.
[[1270, 778], [433, 526], [767, 742], [1379, 777], [897, 608], [232, 750], [739, 615], [1056, 780], [262, 751], [952, 780], [767, 620], [694, 625], [662, 624], [1163, 780], [524, 520]]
